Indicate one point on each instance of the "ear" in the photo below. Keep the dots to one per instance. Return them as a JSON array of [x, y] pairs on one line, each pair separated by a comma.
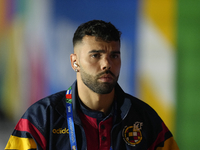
[[73, 59]]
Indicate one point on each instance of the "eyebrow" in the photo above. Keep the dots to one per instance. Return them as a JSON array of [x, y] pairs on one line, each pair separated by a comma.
[[97, 51], [103, 51], [116, 52]]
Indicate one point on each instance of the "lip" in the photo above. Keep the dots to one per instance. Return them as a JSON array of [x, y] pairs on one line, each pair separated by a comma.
[[106, 78]]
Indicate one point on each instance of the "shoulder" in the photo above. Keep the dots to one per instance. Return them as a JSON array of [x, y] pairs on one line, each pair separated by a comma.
[[144, 110], [138, 105], [42, 110], [139, 110], [37, 117], [49, 101], [52, 99], [132, 105]]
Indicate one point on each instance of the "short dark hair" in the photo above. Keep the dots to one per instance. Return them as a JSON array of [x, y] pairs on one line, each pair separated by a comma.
[[98, 28]]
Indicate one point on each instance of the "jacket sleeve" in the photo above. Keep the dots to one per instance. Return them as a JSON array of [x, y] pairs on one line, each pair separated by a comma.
[[29, 131], [18, 143], [24, 136], [164, 140], [169, 144]]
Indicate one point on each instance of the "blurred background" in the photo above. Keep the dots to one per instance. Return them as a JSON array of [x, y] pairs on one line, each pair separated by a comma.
[[159, 46]]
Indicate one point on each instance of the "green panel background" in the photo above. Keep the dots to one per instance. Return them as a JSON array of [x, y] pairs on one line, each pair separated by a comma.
[[188, 75]]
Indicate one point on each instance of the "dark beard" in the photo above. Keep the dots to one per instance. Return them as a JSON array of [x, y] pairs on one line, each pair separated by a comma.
[[92, 82]]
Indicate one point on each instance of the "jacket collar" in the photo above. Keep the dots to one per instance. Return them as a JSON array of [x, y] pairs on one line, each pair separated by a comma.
[[123, 103]]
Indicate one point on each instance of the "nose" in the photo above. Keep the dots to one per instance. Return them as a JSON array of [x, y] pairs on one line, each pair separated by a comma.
[[106, 64]]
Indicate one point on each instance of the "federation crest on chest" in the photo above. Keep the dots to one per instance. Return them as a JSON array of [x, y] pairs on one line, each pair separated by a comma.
[[132, 135]]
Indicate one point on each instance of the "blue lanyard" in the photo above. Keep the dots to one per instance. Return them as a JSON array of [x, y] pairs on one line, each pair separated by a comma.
[[70, 120]]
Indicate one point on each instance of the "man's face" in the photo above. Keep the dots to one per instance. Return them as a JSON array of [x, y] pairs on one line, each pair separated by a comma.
[[99, 64]]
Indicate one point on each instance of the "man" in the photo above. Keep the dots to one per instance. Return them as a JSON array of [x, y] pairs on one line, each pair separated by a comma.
[[94, 113]]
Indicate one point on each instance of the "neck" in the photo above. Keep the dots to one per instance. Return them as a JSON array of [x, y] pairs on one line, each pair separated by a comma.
[[95, 101]]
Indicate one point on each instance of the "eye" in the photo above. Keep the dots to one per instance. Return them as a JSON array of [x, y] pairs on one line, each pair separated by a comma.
[[115, 56], [96, 55]]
